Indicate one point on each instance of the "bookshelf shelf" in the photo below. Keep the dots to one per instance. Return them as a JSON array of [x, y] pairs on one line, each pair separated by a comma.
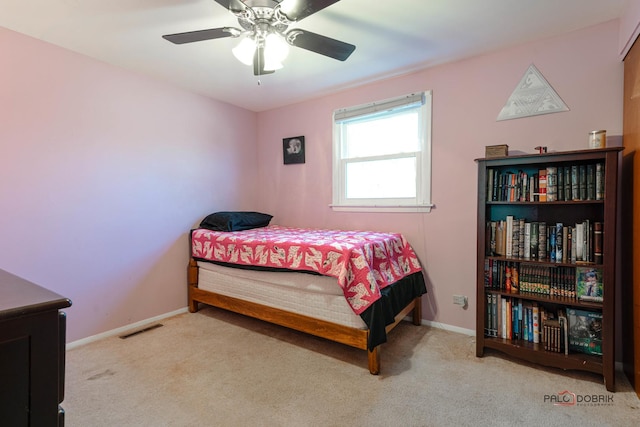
[[546, 259], [557, 300], [535, 353], [545, 263], [556, 202]]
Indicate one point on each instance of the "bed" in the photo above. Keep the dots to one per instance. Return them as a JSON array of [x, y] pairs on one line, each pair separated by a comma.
[[352, 287]]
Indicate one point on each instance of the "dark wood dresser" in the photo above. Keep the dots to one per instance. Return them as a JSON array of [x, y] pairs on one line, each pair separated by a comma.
[[32, 353]]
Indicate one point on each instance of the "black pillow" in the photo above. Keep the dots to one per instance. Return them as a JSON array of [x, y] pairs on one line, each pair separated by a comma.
[[235, 221]]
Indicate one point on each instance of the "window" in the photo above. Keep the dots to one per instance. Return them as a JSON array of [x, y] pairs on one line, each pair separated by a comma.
[[382, 155]]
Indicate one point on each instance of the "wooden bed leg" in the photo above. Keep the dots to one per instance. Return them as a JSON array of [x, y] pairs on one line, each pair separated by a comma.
[[193, 306], [192, 282], [374, 360], [417, 312]]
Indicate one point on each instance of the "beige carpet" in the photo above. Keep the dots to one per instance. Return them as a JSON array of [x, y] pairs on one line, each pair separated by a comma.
[[215, 368]]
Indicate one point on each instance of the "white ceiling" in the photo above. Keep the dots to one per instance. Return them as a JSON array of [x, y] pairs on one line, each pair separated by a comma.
[[391, 36]]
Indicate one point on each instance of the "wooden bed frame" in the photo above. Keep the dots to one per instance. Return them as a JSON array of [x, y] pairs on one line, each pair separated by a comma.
[[353, 337]]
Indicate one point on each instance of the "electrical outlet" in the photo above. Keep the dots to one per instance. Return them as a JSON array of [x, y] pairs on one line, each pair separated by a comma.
[[460, 300]]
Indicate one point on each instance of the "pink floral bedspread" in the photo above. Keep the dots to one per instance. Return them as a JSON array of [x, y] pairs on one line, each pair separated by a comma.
[[363, 262]]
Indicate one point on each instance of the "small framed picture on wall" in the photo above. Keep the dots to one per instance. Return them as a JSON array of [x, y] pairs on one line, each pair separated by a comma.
[[293, 150]]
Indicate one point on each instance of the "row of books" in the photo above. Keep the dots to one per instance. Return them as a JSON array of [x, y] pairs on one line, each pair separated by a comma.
[[557, 330], [517, 238], [549, 184], [583, 283]]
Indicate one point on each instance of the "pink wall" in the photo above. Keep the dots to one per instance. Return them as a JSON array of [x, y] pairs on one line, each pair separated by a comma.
[[102, 173], [583, 67]]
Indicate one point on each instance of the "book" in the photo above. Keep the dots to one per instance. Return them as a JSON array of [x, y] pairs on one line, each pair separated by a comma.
[[567, 183], [490, 176], [597, 242], [561, 183], [527, 241], [589, 285], [542, 241], [591, 182], [512, 187], [503, 317], [536, 323], [500, 239], [588, 240], [524, 187], [488, 319], [559, 242], [521, 224], [585, 331], [494, 314], [519, 320], [525, 320], [515, 278], [552, 183], [582, 177], [566, 244], [551, 239], [564, 325], [533, 251], [542, 185], [575, 183], [509, 236], [579, 239], [509, 319], [515, 241], [599, 181]]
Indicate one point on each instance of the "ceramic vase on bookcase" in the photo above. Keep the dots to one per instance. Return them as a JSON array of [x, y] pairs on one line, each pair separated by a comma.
[[546, 258]]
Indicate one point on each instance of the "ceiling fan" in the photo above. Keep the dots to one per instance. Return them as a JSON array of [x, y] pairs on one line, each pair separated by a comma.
[[264, 26]]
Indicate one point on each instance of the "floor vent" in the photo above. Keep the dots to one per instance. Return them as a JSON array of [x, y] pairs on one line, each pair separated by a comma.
[[148, 328]]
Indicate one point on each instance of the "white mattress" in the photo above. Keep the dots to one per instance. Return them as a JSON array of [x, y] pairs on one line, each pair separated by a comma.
[[315, 296]]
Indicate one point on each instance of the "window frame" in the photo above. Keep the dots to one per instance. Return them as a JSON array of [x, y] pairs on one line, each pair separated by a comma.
[[422, 202]]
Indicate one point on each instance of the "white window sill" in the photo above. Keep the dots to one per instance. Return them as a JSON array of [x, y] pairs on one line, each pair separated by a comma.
[[415, 209]]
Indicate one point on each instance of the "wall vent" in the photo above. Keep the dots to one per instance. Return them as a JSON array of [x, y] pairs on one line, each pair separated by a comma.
[[148, 328]]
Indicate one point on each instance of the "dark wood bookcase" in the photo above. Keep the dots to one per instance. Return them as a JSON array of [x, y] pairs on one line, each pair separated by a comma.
[[495, 203]]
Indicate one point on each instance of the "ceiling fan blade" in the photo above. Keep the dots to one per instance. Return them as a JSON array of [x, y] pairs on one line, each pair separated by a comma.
[[235, 6], [295, 10], [200, 35], [258, 62], [320, 44]]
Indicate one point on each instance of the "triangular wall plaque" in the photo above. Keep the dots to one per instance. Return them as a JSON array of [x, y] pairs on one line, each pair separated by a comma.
[[533, 96]]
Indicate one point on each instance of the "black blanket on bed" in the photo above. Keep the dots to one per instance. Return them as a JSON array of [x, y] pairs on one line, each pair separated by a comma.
[[394, 298]]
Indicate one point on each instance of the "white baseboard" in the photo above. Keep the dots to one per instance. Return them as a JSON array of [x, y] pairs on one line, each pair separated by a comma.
[[444, 326], [141, 324], [451, 328], [127, 328]]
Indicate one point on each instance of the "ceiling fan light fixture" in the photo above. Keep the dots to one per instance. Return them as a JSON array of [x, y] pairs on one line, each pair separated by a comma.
[[270, 65], [276, 48], [245, 50]]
